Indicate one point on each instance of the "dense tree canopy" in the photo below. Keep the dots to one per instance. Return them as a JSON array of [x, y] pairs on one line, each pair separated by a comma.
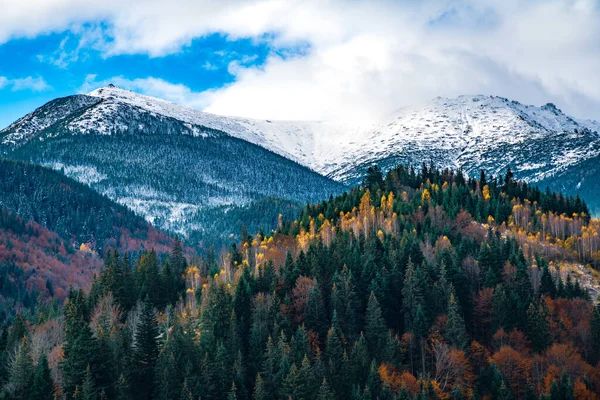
[[417, 285]]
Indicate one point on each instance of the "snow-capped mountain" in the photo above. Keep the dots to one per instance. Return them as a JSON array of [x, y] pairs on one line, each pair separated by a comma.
[[467, 132], [157, 158], [541, 144]]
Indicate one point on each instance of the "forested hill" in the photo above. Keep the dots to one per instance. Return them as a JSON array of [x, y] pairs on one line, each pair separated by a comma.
[[73, 210], [53, 235], [417, 285]]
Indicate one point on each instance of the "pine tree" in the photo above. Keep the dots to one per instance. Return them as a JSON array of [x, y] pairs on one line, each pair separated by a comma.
[[16, 332], [360, 360], [145, 352], [375, 327], [456, 333], [563, 389], [232, 395], [166, 376], [334, 354], [259, 389], [43, 387], [538, 328], [306, 385], [325, 391], [412, 295], [21, 372], [291, 383], [186, 392], [316, 315], [88, 389], [122, 389], [81, 349], [179, 265], [547, 286], [420, 329]]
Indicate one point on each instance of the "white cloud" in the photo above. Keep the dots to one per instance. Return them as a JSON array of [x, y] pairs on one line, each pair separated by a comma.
[[156, 87], [362, 57], [37, 84]]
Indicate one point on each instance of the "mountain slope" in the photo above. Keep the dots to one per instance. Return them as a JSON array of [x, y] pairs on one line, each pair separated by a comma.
[[73, 211], [458, 132], [540, 144], [54, 233], [165, 169]]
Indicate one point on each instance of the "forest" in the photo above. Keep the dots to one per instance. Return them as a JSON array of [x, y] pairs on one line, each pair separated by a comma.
[[420, 284]]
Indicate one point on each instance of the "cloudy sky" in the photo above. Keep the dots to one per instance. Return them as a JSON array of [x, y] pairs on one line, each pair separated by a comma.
[[302, 59]]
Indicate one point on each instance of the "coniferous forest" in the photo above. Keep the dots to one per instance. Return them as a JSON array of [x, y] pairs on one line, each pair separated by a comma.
[[420, 284]]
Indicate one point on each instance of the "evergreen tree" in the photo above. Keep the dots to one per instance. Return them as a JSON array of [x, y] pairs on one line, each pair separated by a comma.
[[232, 395], [16, 332], [547, 286], [412, 295], [81, 349], [325, 391], [420, 329], [88, 389], [456, 333], [145, 352], [316, 315], [167, 385], [259, 389], [562, 389], [43, 387], [538, 328], [21, 372], [375, 328], [179, 265]]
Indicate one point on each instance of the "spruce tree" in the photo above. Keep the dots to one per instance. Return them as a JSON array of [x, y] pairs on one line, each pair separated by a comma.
[[16, 332], [547, 286], [21, 372], [167, 385], [88, 389], [375, 327], [81, 349], [259, 389], [456, 333], [145, 352], [43, 387], [538, 328], [412, 295], [325, 391], [316, 315]]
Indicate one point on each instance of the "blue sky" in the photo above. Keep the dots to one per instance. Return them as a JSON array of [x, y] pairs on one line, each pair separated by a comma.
[[302, 59], [202, 65]]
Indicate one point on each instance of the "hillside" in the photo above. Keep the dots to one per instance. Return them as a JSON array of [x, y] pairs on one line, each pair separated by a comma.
[[540, 144], [73, 211], [418, 285], [54, 232], [37, 264], [165, 169]]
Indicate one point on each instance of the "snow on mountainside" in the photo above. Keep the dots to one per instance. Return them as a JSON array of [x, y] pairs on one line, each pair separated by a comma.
[[168, 163], [540, 144], [44, 117], [467, 132], [464, 132]]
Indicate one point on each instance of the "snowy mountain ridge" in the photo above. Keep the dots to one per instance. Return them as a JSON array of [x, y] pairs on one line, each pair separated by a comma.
[[80, 135], [456, 131], [461, 129]]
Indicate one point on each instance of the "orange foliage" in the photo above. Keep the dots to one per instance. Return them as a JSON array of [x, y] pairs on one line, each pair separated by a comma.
[[515, 368], [391, 377]]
